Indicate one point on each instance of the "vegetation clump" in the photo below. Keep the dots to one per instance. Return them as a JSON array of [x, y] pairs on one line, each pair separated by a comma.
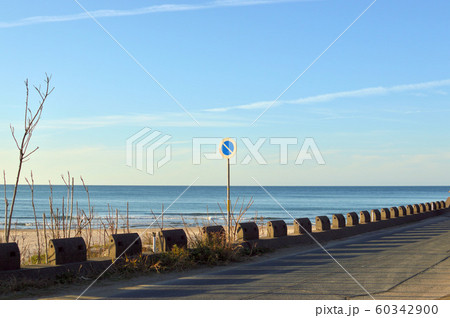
[[211, 250]]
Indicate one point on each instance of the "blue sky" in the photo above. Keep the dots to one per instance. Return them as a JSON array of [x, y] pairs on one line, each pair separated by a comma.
[[376, 102]]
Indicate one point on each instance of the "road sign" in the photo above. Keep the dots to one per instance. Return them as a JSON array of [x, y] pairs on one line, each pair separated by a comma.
[[227, 148]]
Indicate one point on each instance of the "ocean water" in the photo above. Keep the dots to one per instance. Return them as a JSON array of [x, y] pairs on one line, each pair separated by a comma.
[[199, 204]]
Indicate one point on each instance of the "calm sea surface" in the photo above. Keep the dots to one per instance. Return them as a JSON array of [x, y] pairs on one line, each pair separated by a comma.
[[200, 203]]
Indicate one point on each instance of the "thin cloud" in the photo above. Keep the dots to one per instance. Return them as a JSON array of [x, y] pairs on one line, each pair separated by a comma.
[[164, 119], [371, 91], [140, 11], [77, 123]]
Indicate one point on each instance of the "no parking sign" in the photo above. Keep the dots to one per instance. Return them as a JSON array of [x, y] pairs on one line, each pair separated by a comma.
[[228, 150]]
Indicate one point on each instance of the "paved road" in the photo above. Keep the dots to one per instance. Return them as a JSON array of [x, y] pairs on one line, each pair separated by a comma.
[[408, 262]]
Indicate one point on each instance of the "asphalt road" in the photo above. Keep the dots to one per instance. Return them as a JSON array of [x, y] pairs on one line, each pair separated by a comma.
[[407, 262]]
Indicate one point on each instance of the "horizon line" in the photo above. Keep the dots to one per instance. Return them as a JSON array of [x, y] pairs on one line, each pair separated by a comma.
[[218, 185]]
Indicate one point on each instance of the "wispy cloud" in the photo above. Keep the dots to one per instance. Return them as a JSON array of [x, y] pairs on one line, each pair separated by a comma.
[[161, 119], [97, 121], [371, 91], [214, 117], [140, 11]]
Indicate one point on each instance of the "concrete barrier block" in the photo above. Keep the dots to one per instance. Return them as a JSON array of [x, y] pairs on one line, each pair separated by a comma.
[[276, 228], [394, 212], [443, 205], [302, 225], [364, 217], [322, 223], [209, 231], [385, 214], [447, 203], [352, 219], [416, 209], [167, 239], [428, 206], [422, 207], [129, 244], [401, 211], [376, 215], [247, 231], [409, 210], [67, 250], [438, 205], [338, 221], [9, 256]]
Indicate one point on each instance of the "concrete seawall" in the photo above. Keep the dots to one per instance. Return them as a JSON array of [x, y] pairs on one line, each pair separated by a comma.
[[335, 234], [32, 272]]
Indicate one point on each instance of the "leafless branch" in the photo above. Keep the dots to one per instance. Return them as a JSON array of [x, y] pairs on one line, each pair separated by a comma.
[[30, 122]]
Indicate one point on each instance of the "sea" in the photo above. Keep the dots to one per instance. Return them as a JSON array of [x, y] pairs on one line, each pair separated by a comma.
[[206, 205]]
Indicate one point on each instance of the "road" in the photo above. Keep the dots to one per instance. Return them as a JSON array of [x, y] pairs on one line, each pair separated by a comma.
[[407, 262]]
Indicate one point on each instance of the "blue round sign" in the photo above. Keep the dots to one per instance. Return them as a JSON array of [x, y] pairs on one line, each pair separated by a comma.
[[228, 148]]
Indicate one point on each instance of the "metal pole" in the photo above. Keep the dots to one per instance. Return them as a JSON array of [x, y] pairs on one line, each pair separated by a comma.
[[228, 202], [154, 243]]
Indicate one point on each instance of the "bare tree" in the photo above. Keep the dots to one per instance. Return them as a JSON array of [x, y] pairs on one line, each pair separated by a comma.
[[6, 199], [31, 185], [30, 123]]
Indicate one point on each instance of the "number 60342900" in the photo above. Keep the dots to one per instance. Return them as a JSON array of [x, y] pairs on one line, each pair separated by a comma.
[[407, 309]]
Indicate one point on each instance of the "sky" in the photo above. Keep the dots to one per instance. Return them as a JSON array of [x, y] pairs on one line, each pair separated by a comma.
[[367, 81]]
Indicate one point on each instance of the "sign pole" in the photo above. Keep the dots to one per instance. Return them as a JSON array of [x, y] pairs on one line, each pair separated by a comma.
[[228, 202], [228, 150]]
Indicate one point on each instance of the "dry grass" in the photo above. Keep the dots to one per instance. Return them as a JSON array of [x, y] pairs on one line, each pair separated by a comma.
[[67, 220], [237, 215]]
